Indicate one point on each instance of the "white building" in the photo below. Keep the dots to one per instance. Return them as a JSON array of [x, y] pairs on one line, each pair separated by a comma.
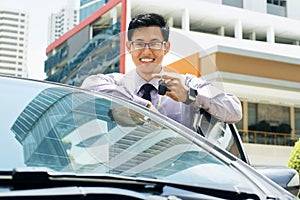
[[61, 22], [251, 45], [13, 43]]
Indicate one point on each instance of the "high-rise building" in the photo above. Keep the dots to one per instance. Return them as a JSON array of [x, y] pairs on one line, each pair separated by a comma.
[[87, 7], [13, 43], [61, 22]]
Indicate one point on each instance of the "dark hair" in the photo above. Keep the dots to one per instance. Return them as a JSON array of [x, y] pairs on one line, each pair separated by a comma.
[[150, 19]]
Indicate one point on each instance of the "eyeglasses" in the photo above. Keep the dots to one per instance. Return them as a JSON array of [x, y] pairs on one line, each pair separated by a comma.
[[151, 45]]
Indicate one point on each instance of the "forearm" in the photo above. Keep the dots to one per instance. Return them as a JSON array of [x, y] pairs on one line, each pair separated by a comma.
[[110, 84], [223, 106]]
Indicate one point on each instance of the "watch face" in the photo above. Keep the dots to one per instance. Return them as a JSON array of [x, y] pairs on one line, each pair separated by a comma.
[[192, 94]]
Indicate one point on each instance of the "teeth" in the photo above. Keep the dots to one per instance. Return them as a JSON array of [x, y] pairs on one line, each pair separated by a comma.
[[146, 60]]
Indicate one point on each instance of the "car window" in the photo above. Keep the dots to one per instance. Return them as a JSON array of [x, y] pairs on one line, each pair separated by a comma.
[[219, 133], [71, 130]]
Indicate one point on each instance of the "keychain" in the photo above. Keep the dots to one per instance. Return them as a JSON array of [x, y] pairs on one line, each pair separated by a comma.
[[162, 89]]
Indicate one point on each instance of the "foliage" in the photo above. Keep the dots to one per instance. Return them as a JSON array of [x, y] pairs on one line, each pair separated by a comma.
[[294, 160]]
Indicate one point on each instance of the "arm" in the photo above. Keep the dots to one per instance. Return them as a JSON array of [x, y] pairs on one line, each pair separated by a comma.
[[223, 106], [111, 84]]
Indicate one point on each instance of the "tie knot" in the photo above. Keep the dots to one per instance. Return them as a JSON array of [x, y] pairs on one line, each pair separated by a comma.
[[146, 89]]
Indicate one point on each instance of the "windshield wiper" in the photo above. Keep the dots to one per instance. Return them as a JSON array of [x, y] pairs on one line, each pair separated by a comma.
[[37, 178]]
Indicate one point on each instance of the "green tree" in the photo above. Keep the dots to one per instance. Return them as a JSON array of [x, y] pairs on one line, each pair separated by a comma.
[[294, 160]]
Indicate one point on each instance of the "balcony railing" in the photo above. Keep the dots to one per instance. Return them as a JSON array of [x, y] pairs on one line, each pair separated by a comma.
[[268, 138]]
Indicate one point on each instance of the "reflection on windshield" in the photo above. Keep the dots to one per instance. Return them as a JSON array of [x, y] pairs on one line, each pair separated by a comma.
[[74, 131]]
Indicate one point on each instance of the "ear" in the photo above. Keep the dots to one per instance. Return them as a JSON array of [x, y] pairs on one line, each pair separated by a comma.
[[167, 47], [128, 46]]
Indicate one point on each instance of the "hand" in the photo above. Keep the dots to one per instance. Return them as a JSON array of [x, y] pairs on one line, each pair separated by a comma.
[[126, 117], [176, 87]]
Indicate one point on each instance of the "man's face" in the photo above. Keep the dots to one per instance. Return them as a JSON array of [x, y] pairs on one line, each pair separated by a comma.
[[147, 60]]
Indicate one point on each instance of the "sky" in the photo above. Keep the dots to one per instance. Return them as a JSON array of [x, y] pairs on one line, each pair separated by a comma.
[[39, 11]]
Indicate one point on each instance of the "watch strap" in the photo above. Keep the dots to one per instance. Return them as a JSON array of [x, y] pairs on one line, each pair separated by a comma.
[[191, 96]]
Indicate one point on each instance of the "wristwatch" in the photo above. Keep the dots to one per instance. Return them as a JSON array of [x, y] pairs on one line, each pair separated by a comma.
[[191, 96]]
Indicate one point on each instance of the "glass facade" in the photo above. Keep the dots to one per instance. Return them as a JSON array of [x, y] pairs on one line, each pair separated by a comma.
[[100, 55], [83, 2], [94, 5], [59, 57]]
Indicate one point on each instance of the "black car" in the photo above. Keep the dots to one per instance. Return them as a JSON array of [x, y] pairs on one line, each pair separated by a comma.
[[62, 142]]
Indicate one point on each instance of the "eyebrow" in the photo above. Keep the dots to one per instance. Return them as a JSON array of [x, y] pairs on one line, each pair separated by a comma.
[[141, 40]]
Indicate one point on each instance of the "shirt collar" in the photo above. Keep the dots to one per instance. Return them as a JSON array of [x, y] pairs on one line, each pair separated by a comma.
[[139, 82], [133, 82]]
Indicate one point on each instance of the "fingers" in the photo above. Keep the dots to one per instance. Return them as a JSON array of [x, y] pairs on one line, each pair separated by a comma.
[[169, 79], [175, 86]]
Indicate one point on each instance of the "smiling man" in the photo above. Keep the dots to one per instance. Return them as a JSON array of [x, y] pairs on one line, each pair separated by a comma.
[[148, 43]]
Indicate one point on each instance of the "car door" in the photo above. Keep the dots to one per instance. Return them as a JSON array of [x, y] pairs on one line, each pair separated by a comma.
[[227, 136]]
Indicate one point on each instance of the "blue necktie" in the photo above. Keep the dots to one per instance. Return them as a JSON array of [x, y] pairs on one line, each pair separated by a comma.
[[146, 89]]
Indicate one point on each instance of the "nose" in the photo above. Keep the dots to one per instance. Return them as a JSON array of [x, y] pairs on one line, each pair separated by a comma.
[[147, 49], [147, 45]]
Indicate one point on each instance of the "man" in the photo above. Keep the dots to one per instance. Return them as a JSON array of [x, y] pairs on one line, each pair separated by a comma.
[[148, 43]]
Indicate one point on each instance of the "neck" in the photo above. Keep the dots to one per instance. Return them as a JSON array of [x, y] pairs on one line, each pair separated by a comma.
[[147, 76]]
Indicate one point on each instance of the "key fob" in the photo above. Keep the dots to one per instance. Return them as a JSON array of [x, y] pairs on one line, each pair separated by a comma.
[[162, 87]]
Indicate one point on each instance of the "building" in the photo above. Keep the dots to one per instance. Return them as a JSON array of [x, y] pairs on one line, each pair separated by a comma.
[[13, 43], [87, 7], [61, 22], [249, 48]]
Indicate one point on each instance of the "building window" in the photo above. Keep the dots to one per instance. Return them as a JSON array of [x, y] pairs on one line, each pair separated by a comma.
[[268, 124], [252, 116], [269, 118], [234, 3], [297, 121], [239, 124], [277, 7], [277, 2]]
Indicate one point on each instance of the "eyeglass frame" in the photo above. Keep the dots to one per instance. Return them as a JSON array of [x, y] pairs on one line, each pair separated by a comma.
[[163, 43]]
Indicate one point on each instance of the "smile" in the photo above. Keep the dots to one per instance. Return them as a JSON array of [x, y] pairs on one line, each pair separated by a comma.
[[147, 59]]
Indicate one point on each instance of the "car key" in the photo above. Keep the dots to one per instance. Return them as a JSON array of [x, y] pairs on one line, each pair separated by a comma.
[[162, 89]]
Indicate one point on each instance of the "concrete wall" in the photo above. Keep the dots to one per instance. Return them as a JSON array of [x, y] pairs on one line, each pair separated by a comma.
[[256, 5], [293, 9], [268, 155]]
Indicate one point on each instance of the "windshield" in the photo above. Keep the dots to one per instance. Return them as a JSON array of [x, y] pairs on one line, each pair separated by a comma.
[[70, 130]]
